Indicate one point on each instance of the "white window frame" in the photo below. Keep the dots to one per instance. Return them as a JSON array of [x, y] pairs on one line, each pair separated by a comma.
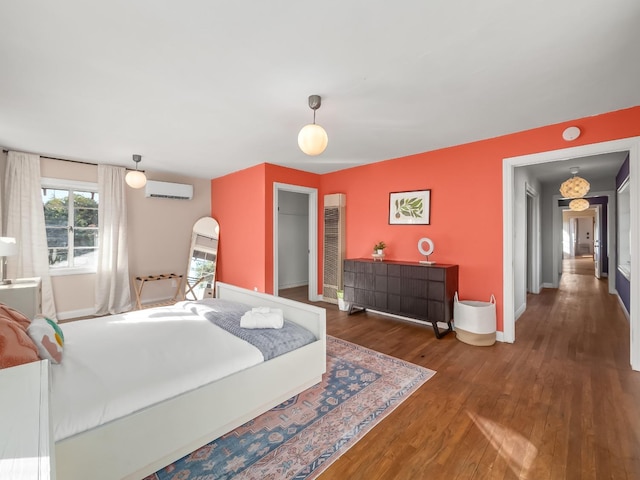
[[62, 184]]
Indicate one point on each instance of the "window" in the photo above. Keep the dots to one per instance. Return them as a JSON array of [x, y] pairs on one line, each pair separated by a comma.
[[71, 221]]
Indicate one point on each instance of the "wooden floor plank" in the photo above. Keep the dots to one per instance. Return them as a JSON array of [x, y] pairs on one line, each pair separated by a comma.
[[561, 402]]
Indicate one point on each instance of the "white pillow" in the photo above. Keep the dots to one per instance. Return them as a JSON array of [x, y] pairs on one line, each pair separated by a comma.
[[48, 337]]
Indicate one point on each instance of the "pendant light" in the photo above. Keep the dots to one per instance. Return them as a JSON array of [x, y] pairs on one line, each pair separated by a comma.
[[579, 204], [313, 139], [136, 178], [575, 187]]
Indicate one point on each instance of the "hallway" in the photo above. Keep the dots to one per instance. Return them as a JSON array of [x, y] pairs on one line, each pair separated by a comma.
[[579, 265]]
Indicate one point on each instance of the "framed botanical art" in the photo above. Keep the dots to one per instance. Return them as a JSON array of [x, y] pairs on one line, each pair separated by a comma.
[[410, 208]]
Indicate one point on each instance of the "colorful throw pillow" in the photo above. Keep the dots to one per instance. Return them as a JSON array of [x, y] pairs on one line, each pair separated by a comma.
[[16, 347], [7, 311], [48, 337]]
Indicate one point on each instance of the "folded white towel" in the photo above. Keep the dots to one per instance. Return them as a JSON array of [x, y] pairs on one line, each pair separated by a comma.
[[262, 317], [260, 309]]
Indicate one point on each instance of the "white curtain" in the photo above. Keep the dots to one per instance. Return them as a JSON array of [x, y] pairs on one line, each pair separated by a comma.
[[25, 222], [113, 293]]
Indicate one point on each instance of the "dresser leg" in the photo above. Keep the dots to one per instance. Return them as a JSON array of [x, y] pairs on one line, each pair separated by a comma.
[[354, 309], [441, 333]]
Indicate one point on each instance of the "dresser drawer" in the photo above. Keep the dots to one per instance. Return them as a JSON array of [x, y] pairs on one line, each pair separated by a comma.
[[411, 290]]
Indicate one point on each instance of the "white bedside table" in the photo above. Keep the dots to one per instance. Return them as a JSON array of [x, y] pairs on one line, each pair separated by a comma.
[[24, 294]]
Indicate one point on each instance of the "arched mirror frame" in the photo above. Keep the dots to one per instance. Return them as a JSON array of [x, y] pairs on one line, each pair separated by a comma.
[[203, 256]]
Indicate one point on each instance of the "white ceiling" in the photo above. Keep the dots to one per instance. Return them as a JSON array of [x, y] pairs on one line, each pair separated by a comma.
[[593, 167], [207, 87]]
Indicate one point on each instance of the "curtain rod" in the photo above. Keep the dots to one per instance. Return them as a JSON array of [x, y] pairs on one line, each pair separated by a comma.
[[61, 159], [67, 160]]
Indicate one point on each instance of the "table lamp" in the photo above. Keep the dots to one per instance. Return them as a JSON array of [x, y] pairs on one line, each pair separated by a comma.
[[8, 247]]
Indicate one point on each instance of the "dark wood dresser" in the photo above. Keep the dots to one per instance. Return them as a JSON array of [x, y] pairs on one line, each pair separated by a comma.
[[413, 290]]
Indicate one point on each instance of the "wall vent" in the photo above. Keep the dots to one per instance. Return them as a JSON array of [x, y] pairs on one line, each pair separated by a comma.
[[179, 191], [333, 245]]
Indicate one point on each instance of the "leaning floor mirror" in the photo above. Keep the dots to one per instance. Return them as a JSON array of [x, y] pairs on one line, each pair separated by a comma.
[[201, 271]]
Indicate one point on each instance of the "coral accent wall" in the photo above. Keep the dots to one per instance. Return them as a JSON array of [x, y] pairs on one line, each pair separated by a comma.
[[242, 202], [277, 174], [466, 204], [238, 203]]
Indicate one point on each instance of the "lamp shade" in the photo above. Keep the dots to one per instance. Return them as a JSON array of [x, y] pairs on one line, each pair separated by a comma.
[[135, 179], [575, 187], [8, 246], [579, 204], [312, 139]]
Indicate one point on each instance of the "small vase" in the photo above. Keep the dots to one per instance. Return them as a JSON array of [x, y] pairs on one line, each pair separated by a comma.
[[380, 251]]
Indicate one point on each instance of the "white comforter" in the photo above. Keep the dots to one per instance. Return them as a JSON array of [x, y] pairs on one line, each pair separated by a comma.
[[113, 366]]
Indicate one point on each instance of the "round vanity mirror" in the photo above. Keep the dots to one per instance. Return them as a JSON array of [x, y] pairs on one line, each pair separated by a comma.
[[201, 269]]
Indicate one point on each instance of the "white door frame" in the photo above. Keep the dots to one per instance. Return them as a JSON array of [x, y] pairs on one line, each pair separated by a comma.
[[597, 248], [632, 144], [611, 237], [533, 240], [313, 235]]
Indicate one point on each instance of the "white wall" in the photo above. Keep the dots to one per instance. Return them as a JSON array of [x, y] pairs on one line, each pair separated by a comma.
[[293, 239], [584, 223], [585, 235], [159, 235]]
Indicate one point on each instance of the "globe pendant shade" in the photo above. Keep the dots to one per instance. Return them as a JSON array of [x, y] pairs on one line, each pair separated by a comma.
[[312, 139], [135, 179], [579, 204], [575, 187]]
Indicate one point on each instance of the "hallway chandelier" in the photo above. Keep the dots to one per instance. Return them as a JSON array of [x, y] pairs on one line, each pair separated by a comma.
[[579, 204], [313, 139], [575, 187]]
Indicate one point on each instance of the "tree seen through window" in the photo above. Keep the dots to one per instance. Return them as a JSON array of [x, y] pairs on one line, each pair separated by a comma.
[[72, 227]]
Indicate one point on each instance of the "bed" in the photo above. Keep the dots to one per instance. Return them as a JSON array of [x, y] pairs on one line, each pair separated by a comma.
[[134, 445]]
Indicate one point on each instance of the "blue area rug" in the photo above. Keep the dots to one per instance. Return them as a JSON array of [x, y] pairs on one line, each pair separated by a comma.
[[301, 437]]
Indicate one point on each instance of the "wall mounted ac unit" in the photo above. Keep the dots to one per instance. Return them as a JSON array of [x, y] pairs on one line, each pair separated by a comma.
[[168, 190], [334, 245]]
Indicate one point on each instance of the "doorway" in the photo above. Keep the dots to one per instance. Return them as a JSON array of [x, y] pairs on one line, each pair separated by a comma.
[[632, 145], [580, 231], [594, 237], [295, 238]]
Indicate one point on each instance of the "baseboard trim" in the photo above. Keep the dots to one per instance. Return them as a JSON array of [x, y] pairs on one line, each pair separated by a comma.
[[68, 315], [499, 334], [294, 285], [521, 309], [547, 285], [624, 308]]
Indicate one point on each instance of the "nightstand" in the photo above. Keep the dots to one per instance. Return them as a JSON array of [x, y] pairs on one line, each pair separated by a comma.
[[26, 441], [24, 295]]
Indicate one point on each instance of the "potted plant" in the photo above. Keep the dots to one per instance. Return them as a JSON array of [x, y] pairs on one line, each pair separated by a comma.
[[379, 247]]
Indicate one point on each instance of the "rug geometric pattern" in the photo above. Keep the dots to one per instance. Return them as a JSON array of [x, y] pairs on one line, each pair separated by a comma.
[[301, 437]]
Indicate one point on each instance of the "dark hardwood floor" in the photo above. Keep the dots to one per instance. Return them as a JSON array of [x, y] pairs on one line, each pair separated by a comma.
[[560, 403]]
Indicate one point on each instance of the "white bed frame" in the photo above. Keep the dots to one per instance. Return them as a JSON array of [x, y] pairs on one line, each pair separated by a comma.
[[139, 444]]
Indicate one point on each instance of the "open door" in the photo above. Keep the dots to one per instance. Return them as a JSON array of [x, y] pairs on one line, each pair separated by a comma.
[[597, 244]]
